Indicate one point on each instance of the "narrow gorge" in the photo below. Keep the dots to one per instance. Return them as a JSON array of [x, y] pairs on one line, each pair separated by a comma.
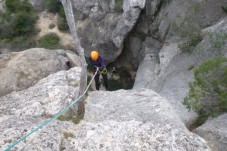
[[168, 93]]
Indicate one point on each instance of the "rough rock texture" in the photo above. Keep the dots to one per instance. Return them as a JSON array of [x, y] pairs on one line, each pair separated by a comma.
[[47, 97], [20, 70], [104, 24], [209, 11], [203, 12], [214, 131], [159, 18], [170, 72], [49, 138], [127, 21], [120, 120], [168, 78], [131, 120], [2, 7], [136, 50], [21, 111]]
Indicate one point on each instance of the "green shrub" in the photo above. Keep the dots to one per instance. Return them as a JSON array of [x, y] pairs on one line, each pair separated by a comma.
[[5, 30], [62, 12], [26, 6], [52, 6], [22, 24], [22, 43], [12, 6], [217, 40], [208, 93], [49, 41], [190, 41], [19, 19], [62, 24], [51, 26]]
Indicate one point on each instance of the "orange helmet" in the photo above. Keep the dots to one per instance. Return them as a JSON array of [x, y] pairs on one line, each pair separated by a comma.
[[94, 55]]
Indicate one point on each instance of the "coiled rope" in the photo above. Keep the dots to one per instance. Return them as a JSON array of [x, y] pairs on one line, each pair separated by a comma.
[[62, 111]]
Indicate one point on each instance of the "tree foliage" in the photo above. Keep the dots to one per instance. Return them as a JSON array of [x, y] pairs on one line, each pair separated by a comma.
[[208, 93], [18, 20]]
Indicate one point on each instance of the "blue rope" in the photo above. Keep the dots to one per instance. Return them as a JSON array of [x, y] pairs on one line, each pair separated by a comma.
[[62, 111]]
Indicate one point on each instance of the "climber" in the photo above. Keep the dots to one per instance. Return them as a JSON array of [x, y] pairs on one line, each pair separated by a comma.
[[98, 62]]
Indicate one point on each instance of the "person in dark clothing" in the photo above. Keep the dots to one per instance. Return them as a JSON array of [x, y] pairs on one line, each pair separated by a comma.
[[98, 63]]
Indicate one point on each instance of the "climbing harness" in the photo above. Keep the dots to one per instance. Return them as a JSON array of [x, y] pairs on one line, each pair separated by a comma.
[[104, 71], [62, 111]]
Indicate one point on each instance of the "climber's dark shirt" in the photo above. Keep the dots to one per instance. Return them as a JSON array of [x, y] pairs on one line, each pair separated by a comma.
[[98, 63]]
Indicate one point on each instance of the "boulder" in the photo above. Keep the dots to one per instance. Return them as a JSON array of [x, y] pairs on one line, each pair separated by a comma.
[[170, 72], [214, 132], [45, 98], [120, 120], [131, 120], [20, 70], [24, 110]]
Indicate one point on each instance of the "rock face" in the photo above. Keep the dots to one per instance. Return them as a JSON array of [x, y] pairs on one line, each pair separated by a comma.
[[169, 78], [215, 133], [156, 24], [47, 97], [131, 120], [120, 120], [2, 5], [169, 72], [139, 119], [104, 25], [20, 70], [22, 111], [13, 127]]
